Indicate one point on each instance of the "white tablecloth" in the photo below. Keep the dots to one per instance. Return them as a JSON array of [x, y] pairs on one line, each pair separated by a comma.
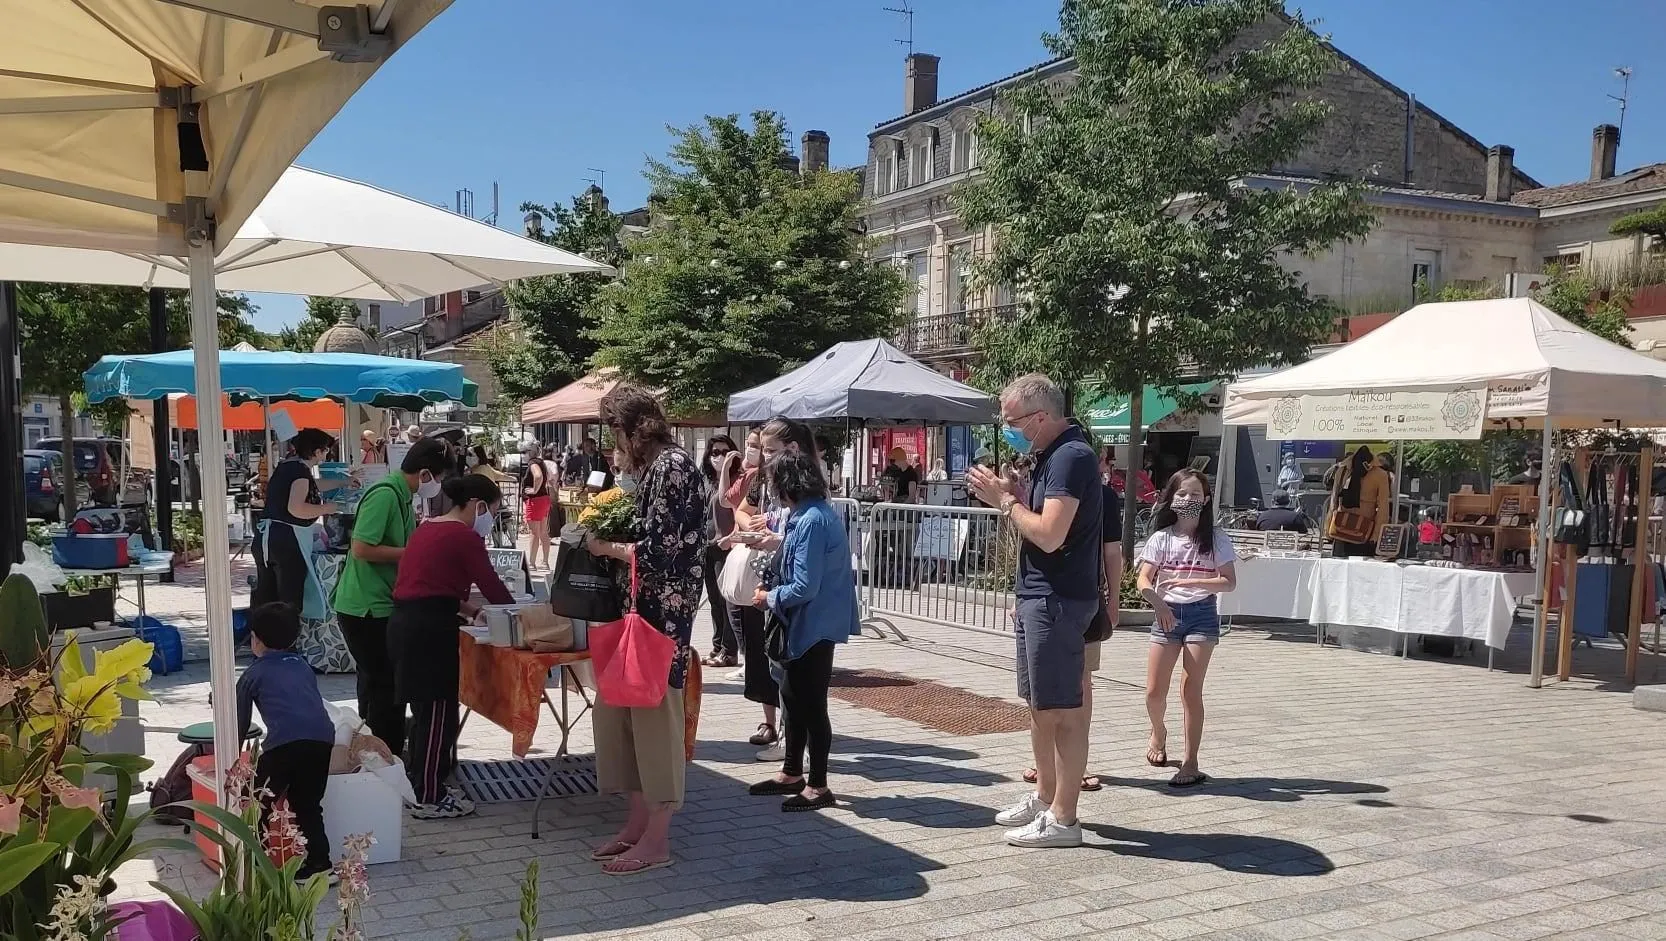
[[1272, 587], [1418, 599]]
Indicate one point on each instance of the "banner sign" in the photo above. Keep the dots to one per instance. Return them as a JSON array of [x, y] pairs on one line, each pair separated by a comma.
[[1369, 415]]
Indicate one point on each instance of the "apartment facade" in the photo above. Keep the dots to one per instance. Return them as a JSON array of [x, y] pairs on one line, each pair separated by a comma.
[[1378, 133]]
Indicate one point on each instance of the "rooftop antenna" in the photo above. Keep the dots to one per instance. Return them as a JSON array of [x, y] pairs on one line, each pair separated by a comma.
[[492, 219], [907, 13], [599, 181], [1624, 97]]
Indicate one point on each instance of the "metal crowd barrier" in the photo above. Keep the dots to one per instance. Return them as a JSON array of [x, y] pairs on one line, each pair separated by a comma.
[[944, 565]]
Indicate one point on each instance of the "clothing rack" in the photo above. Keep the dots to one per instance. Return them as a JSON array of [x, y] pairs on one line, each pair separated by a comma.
[[1616, 487]]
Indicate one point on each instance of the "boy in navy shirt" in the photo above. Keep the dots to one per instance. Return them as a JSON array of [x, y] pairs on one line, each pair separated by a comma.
[[295, 762]]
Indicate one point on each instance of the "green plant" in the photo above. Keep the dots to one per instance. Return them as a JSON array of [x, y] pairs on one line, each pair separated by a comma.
[[1129, 593], [529, 904], [254, 899], [40, 534], [187, 531], [60, 840], [611, 516], [23, 634]]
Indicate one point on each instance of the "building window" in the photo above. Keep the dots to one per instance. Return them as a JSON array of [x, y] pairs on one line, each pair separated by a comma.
[[960, 150], [899, 178], [918, 271], [920, 164], [376, 317], [958, 286], [886, 180], [1570, 261]]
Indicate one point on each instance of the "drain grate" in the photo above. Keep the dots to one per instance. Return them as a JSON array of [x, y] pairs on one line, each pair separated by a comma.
[[933, 705], [499, 782]]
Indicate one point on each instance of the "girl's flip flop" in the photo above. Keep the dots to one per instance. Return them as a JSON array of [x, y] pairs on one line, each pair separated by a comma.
[[638, 866], [611, 850]]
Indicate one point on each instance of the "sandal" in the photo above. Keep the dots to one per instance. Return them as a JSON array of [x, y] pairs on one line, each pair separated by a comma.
[[798, 803], [773, 788], [612, 850], [636, 866], [715, 661], [1157, 757], [1180, 779], [1090, 782], [765, 735]]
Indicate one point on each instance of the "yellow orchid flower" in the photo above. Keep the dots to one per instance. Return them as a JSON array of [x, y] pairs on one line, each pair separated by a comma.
[[95, 700], [127, 663]]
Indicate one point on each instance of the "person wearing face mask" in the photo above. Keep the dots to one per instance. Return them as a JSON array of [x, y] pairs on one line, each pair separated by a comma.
[[283, 545], [1058, 514], [445, 558], [760, 522], [1183, 566], [364, 592]]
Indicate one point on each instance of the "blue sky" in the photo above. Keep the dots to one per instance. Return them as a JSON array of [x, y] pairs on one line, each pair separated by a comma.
[[533, 93]]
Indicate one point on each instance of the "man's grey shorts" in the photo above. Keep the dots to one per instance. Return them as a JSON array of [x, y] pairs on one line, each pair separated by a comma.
[[1051, 649]]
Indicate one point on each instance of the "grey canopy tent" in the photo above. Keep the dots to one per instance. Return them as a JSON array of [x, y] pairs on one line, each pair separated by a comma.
[[864, 380]]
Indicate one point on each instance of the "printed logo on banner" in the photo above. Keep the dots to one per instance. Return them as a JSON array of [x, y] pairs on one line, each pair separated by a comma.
[[1287, 415], [1463, 410]]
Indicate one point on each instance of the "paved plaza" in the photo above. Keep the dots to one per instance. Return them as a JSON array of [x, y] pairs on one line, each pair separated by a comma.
[[1355, 796]]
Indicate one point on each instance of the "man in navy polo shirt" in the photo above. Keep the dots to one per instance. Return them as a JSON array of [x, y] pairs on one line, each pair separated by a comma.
[[1058, 516]]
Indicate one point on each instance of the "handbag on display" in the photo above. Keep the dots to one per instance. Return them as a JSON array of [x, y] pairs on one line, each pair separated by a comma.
[[632, 659], [581, 586]]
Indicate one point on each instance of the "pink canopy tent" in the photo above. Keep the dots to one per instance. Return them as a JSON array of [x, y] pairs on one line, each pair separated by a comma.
[[579, 403]]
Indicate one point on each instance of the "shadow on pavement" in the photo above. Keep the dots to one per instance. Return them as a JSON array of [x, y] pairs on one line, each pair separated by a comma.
[[1277, 790], [1256, 855], [939, 813]]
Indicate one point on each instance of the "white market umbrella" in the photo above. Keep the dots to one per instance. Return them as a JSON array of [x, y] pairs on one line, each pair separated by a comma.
[[157, 126], [329, 236]]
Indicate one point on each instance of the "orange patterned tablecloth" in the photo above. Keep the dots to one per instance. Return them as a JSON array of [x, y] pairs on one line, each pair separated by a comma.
[[506, 686]]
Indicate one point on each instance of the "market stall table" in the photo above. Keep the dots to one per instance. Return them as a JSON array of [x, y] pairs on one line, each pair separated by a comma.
[[1272, 587], [1418, 599], [136, 572]]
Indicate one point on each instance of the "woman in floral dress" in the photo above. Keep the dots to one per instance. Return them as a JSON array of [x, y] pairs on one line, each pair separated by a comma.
[[640, 752]]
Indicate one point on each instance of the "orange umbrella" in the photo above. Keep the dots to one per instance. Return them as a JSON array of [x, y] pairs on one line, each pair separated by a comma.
[[246, 417]]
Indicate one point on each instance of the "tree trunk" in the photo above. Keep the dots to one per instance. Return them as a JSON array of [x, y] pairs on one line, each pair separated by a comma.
[[66, 413], [1130, 476]]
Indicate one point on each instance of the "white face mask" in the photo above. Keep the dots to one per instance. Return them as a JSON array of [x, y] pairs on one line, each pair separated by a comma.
[[428, 489], [483, 522], [626, 482], [754, 457]]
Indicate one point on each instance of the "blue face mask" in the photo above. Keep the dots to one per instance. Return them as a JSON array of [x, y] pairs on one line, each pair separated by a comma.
[[1016, 439]]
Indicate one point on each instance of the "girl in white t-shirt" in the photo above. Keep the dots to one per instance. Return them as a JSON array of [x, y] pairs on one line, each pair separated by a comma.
[[1183, 566]]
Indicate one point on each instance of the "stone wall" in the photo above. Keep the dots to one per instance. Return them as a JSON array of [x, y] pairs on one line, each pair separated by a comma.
[[1375, 275]]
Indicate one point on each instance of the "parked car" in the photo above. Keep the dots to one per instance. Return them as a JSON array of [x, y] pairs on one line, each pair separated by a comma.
[[40, 486], [96, 464]]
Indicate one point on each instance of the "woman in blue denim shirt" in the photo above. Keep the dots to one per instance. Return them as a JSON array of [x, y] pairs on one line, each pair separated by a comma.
[[816, 599]]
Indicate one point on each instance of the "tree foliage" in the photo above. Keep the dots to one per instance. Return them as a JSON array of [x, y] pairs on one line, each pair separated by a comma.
[[1577, 298], [1119, 210], [1651, 222], [747, 271], [322, 313], [1117, 204], [553, 317]]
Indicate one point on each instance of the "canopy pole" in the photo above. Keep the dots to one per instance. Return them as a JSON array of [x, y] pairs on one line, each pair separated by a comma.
[[1548, 472], [1399, 476], [163, 478], [205, 339], [12, 513]]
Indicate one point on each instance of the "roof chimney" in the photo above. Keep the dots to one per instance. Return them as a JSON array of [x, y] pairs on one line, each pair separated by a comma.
[[813, 152], [1605, 147], [534, 225], [596, 198], [1501, 173], [919, 87]]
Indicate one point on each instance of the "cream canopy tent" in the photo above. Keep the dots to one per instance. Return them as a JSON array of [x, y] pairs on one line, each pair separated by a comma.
[[1535, 364], [324, 235], [157, 126], [1537, 368]]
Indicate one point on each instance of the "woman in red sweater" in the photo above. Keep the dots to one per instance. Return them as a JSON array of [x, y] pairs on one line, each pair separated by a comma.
[[445, 558]]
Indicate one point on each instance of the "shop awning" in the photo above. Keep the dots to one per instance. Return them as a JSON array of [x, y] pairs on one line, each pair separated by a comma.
[[1107, 415]]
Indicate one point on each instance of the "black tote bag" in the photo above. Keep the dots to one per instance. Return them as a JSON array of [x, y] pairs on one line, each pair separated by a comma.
[[582, 586]]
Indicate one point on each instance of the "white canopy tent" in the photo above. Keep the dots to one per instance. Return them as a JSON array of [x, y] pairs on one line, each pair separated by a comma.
[[324, 235], [1526, 365], [157, 126]]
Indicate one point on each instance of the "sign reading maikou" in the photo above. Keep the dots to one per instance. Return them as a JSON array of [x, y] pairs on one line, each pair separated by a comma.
[[1366, 414]]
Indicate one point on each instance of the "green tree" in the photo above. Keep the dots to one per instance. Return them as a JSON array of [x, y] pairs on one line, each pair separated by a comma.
[[322, 313], [747, 270], [1117, 206], [1577, 298], [1650, 222], [552, 317]]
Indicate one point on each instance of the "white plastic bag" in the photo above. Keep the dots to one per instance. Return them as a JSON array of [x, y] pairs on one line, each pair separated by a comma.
[[346, 722], [738, 580], [38, 567], [392, 775]]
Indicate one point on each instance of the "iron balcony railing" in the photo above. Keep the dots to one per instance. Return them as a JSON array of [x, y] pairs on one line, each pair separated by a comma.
[[951, 333]]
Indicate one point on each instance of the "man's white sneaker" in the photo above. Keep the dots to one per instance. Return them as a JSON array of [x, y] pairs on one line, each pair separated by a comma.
[[1022, 812], [776, 752], [1046, 833]]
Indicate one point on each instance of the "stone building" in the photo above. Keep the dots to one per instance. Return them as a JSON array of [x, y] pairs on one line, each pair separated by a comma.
[[1378, 132]]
